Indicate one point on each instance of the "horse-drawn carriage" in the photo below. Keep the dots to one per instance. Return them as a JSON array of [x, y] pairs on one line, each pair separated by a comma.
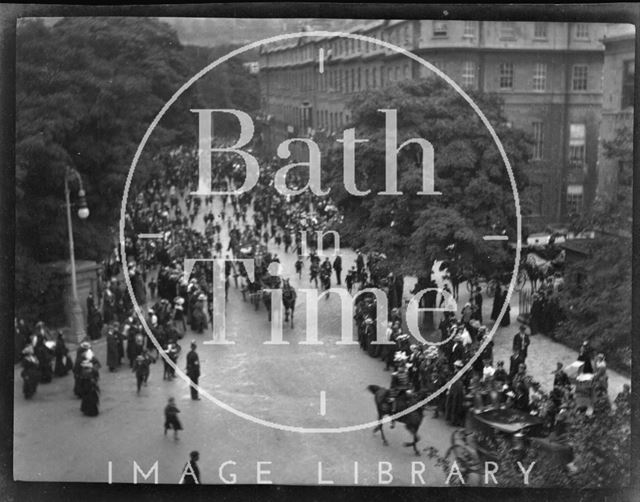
[[537, 264], [488, 430], [252, 288], [582, 383], [265, 278]]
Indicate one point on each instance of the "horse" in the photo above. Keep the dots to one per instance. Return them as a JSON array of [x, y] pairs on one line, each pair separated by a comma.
[[288, 300], [269, 282], [254, 290], [325, 279], [411, 420]]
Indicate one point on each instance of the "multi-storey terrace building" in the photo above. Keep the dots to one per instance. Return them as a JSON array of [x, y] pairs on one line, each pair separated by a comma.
[[617, 102], [549, 76]]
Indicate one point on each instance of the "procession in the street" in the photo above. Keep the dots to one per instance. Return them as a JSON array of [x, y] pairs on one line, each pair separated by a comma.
[[179, 312], [255, 298]]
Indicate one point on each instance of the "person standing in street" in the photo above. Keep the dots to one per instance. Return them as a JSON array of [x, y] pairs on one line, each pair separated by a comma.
[[476, 300], [63, 363], [521, 342], [171, 420], [30, 372], [191, 471], [193, 370], [560, 379], [517, 359], [586, 355], [112, 349], [337, 266], [360, 266]]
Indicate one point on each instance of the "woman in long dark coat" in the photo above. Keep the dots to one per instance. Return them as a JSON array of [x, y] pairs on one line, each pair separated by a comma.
[[89, 389], [535, 316], [585, 356], [30, 372], [77, 368], [63, 362], [44, 356], [131, 344], [506, 319], [113, 360], [454, 404], [497, 303]]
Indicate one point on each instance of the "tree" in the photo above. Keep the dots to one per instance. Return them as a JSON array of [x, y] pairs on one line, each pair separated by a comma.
[[227, 86], [86, 92], [601, 445], [596, 300], [476, 198]]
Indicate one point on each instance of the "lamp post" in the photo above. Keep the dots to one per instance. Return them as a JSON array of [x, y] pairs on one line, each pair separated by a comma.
[[77, 320]]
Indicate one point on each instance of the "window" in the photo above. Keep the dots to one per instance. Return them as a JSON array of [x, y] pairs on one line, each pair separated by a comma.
[[439, 28], [406, 35], [346, 81], [506, 76], [396, 73], [538, 140], [374, 78], [582, 31], [540, 30], [359, 46], [469, 74], [390, 75], [405, 71], [366, 78], [579, 77], [628, 74], [574, 199], [540, 77], [469, 29], [577, 142], [507, 30], [382, 76]]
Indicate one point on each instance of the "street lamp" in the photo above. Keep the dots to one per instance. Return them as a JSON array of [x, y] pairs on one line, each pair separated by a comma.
[[77, 321]]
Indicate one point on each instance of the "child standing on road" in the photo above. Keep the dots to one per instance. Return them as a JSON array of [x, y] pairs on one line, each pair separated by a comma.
[[171, 420]]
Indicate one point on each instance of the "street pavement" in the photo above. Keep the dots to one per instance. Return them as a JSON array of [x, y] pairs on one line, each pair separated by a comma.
[[276, 383]]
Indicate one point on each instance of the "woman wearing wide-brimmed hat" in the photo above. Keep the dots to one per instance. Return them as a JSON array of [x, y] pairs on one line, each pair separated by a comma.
[[88, 388]]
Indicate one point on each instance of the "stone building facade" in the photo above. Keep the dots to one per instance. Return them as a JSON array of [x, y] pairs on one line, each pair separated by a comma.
[[548, 74], [617, 100]]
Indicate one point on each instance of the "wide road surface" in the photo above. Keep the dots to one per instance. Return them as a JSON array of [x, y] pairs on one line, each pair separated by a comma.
[[277, 383]]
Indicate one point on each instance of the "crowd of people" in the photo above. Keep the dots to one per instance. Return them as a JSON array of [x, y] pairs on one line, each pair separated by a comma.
[[419, 369], [243, 227]]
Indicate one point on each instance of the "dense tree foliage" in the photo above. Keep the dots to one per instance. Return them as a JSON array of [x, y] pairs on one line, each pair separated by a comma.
[[87, 89], [476, 198], [597, 298], [601, 445]]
